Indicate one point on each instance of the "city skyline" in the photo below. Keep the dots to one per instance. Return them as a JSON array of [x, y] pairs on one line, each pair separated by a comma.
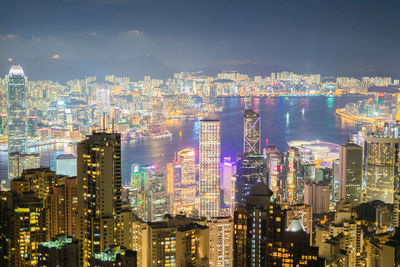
[[199, 133]]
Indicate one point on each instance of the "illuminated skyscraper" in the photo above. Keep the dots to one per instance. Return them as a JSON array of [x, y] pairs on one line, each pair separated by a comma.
[[189, 202], [350, 173], [209, 149], [251, 134], [16, 111], [228, 180], [99, 191], [156, 200], [250, 170], [63, 207], [381, 166]]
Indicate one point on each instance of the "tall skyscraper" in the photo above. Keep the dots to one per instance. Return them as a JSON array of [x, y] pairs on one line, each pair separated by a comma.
[[209, 148], [350, 173], [188, 185], [250, 170], [228, 180], [381, 165], [99, 191], [251, 134], [16, 111]]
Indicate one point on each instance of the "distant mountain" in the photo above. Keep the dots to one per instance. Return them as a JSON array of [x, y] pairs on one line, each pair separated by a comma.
[[251, 69], [59, 70]]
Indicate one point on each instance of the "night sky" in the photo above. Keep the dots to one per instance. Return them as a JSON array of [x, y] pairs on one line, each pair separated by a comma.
[[159, 37]]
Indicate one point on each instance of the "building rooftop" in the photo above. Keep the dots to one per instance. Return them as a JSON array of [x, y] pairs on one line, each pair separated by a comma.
[[65, 156], [16, 70], [295, 226], [260, 189]]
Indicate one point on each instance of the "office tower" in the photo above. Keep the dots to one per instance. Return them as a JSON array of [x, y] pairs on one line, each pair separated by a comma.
[[209, 158], [27, 229], [176, 241], [316, 195], [350, 173], [16, 111], [381, 156], [221, 241], [250, 170], [228, 168], [114, 256], [156, 200], [63, 207], [18, 162], [251, 133], [66, 165], [308, 169], [188, 186], [136, 190], [293, 166], [335, 180], [274, 166], [303, 213], [99, 191], [62, 251]]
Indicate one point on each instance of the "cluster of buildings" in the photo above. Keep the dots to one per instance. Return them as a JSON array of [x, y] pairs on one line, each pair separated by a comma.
[[316, 204]]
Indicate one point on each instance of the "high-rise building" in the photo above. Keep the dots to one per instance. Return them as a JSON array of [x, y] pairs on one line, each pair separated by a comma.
[[350, 173], [136, 189], [209, 158], [66, 165], [27, 229], [381, 170], [188, 186], [256, 225], [62, 251], [18, 162], [99, 191], [251, 134], [221, 241], [293, 167], [260, 238], [250, 170], [156, 200], [176, 241], [63, 207], [16, 111], [228, 168], [317, 195]]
